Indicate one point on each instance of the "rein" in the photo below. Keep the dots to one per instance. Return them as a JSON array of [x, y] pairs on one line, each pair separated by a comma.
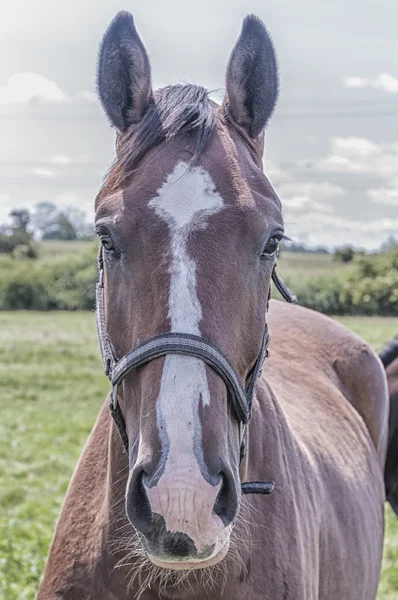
[[190, 345]]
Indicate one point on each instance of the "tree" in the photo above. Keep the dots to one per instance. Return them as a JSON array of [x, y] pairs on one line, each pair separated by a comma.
[[20, 218], [15, 239], [78, 218], [344, 254], [51, 223], [44, 217], [390, 244]]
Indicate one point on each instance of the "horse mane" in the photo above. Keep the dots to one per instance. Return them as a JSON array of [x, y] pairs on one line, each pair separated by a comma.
[[390, 352], [181, 108]]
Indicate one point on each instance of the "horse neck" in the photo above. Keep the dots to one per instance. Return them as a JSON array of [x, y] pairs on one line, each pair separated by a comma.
[[266, 434]]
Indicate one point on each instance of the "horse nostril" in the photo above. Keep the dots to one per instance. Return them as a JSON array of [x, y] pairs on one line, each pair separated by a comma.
[[226, 503], [138, 507], [178, 545]]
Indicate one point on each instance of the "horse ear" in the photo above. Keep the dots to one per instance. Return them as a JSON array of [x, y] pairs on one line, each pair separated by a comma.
[[124, 73], [252, 78]]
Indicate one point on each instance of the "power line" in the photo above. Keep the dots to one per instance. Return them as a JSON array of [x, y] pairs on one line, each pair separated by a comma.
[[331, 115], [379, 111], [53, 165]]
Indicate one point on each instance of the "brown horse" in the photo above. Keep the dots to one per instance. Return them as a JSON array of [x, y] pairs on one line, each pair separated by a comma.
[[190, 226], [389, 358]]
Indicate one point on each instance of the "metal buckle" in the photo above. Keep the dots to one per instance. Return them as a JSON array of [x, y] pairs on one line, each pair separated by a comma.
[[108, 367], [114, 397]]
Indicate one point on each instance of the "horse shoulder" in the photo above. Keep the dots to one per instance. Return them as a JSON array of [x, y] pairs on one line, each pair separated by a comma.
[[321, 345], [363, 382]]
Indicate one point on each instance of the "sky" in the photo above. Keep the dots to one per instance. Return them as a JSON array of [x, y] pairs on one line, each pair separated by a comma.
[[331, 148]]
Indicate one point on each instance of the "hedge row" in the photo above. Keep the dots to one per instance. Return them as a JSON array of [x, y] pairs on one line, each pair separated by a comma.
[[370, 288], [367, 296], [65, 283], [68, 283]]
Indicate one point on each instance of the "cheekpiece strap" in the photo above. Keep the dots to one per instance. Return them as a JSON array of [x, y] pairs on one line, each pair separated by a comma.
[[282, 287]]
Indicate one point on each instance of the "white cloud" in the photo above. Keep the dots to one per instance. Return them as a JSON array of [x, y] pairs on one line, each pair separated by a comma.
[[274, 173], [332, 230], [359, 156], [355, 82], [339, 164], [43, 172], [27, 87], [354, 147], [300, 196], [60, 159], [383, 82], [87, 96], [385, 195], [23, 88]]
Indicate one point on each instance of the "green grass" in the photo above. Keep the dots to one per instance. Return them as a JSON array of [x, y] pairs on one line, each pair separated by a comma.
[[49, 248], [52, 389], [306, 265]]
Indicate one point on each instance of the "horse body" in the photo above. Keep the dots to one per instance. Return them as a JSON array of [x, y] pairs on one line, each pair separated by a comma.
[[318, 536], [389, 358], [190, 226]]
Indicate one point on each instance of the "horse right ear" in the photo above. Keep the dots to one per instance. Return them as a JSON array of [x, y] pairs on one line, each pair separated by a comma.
[[124, 73], [252, 78]]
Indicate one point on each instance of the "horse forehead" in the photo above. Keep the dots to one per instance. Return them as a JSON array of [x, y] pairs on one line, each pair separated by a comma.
[[188, 193]]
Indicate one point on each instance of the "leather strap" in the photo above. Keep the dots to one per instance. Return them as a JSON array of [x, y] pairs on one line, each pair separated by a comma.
[[192, 345]]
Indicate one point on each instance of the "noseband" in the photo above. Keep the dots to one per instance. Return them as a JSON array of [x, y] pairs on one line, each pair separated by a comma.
[[190, 345]]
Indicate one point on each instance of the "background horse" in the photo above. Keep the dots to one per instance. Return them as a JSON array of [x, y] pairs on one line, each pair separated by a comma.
[[389, 358], [189, 227]]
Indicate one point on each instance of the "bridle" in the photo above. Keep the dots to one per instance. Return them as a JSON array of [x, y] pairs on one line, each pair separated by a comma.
[[191, 345]]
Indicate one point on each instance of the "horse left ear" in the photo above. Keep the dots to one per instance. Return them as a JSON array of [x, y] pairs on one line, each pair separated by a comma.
[[252, 78]]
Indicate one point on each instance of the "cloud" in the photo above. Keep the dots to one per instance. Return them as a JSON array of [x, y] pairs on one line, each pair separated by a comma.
[[332, 230], [312, 195], [339, 164], [385, 195], [60, 159], [383, 82], [359, 156], [64, 159], [87, 96], [274, 173], [25, 88], [42, 172], [354, 147]]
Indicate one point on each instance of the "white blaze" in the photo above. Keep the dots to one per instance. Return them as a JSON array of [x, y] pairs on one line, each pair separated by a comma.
[[182, 496]]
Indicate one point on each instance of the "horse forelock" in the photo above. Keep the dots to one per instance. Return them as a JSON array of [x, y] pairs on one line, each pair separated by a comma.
[[175, 109]]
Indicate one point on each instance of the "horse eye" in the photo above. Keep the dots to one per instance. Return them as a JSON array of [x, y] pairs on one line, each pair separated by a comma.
[[107, 243], [272, 245]]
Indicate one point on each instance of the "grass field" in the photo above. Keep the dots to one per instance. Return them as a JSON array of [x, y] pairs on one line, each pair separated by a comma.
[[52, 388], [49, 248], [309, 264]]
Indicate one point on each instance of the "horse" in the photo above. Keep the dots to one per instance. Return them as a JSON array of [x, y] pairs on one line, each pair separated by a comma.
[[389, 358], [189, 227]]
